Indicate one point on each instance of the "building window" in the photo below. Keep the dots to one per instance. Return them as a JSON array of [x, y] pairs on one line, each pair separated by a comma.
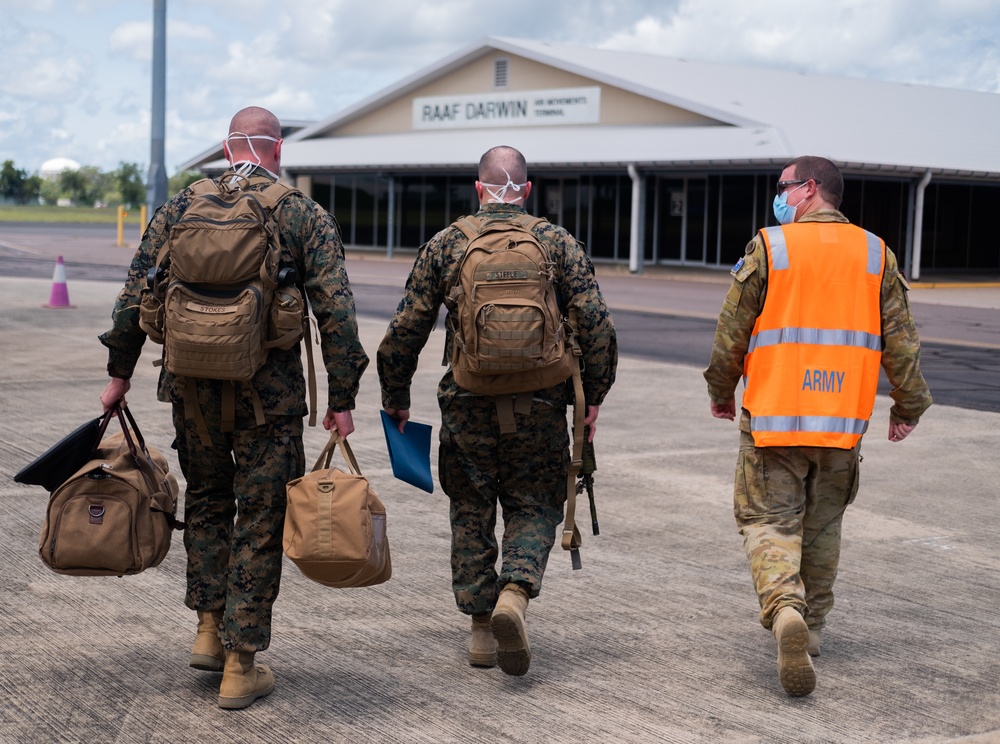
[[501, 72]]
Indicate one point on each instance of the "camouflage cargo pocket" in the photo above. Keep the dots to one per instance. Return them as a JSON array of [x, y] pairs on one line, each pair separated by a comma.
[[285, 327], [151, 316]]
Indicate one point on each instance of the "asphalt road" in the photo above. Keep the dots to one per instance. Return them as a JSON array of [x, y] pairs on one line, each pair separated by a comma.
[[960, 349]]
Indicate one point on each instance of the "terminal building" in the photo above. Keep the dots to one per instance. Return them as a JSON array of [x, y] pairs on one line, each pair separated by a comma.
[[652, 160]]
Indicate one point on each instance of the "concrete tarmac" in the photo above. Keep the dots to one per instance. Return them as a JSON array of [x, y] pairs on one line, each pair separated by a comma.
[[656, 639]]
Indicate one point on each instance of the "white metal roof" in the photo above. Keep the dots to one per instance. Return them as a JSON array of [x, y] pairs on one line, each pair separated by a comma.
[[551, 147], [765, 116]]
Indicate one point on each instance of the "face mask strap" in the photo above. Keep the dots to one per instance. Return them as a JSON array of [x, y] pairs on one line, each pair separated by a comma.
[[249, 138], [246, 166], [498, 196]]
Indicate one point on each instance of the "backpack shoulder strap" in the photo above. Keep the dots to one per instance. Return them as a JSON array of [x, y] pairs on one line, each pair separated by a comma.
[[529, 222], [204, 186], [280, 191], [470, 225], [199, 188], [307, 340], [571, 537]]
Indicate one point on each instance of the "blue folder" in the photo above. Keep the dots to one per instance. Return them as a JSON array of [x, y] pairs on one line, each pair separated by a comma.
[[409, 452]]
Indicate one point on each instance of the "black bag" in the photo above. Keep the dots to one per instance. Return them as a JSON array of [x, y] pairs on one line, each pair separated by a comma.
[[52, 468]]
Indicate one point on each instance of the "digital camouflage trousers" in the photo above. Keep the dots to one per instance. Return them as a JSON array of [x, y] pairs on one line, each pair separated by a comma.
[[789, 504], [523, 472], [234, 508]]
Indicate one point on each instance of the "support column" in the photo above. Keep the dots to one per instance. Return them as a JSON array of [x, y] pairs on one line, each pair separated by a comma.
[[918, 226], [305, 185], [391, 227], [637, 228]]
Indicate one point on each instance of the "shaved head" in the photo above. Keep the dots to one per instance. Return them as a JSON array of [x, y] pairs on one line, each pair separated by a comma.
[[254, 136], [255, 120], [500, 162]]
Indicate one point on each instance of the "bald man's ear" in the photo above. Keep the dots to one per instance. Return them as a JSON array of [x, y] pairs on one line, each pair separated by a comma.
[[277, 150], [527, 191], [479, 191], [225, 151]]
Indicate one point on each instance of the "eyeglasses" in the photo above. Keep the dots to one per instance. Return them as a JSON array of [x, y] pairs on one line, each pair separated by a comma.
[[782, 185]]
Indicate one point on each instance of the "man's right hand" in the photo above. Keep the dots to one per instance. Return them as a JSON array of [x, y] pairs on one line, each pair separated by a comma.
[[402, 415], [725, 410]]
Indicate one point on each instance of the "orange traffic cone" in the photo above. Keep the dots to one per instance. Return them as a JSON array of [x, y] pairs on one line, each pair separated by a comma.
[[60, 292]]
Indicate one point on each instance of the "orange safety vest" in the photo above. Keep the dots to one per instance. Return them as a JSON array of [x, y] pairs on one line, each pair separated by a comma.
[[811, 369]]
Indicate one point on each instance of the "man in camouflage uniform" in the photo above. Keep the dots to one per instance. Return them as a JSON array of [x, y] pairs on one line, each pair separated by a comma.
[[479, 465], [235, 500], [790, 500]]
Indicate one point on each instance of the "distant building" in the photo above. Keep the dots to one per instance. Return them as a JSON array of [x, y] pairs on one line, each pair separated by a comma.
[[651, 160], [54, 166]]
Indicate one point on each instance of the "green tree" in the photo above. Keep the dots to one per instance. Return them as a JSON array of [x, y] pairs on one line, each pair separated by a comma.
[[11, 180], [131, 189], [182, 179], [32, 188], [86, 186], [50, 190], [17, 185]]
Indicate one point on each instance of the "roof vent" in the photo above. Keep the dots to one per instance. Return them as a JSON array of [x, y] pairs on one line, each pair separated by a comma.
[[501, 72]]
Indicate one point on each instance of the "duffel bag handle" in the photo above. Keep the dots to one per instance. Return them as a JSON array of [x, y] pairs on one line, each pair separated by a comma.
[[118, 409], [105, 418], [323, 462], [141, 456]]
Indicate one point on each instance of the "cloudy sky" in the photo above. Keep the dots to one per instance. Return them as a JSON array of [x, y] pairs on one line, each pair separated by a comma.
[[75, 76]]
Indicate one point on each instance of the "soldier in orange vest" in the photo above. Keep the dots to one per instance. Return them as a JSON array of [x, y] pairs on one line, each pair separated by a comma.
[[809, 357]]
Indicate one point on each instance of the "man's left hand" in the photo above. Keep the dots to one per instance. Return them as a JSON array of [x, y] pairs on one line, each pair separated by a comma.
[[899, 431]]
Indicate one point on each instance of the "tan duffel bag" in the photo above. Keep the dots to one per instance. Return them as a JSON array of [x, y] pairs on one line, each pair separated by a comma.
[[116, 514], [335, 524]]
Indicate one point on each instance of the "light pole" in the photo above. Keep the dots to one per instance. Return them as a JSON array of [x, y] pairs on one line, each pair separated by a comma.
[[156, 182]]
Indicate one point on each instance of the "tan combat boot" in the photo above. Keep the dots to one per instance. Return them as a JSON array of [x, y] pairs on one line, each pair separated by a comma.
[[814, 641], [207, 653], [482, 645], [795, 668], [243, 681], [513, 651]]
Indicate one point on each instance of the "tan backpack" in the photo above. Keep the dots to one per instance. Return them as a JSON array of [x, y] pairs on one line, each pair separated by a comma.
[[510, 335], [218, 299], [221, 272]]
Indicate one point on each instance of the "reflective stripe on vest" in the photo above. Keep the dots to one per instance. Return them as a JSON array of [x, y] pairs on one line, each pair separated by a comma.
[[816, 336], [815, 424], [779, 250], [812, 364]]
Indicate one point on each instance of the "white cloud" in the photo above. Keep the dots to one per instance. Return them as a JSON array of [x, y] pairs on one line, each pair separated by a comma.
[[39, 64], [133, 39], [81, 68], [918, 41]]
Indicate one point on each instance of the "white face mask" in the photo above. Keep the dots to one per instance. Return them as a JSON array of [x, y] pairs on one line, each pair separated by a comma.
[[497, 197], [246, 166]]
